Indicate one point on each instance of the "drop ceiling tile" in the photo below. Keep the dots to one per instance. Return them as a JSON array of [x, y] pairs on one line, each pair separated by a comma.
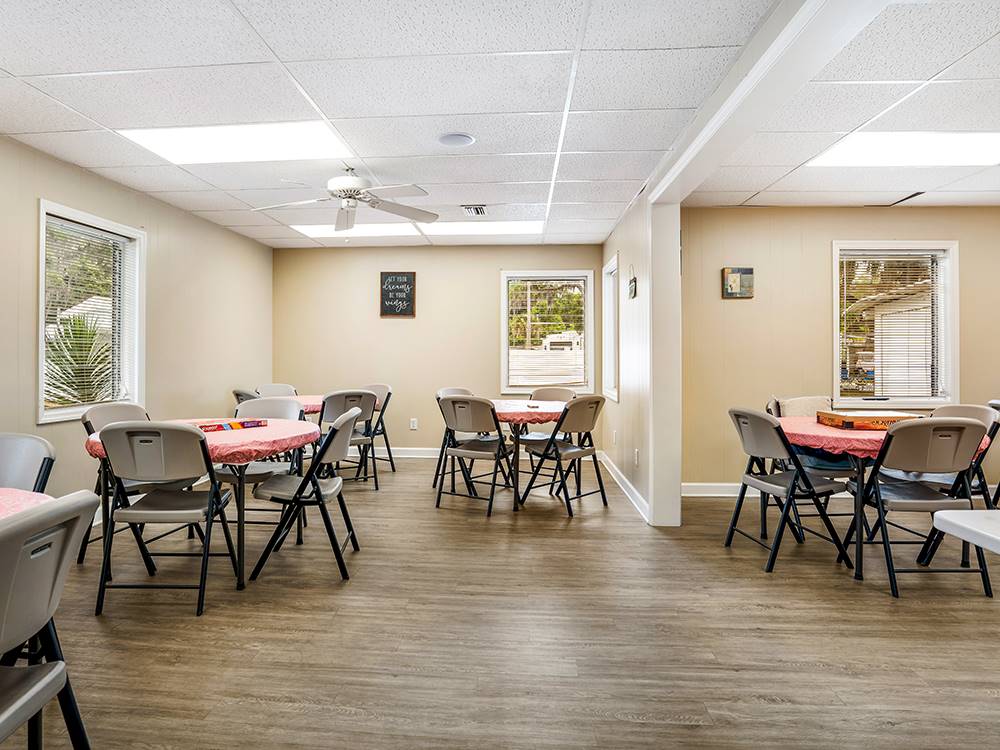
[[730, 179], [274, 175], [576, 239], [704, 198], [244, 218], [216, 95], [951, 105], [522, 133], [579, 226], [651, 24], [320, 30], [914, 41], [625, 129], [649, 79], [200, 200], [374, 241], [153, 179], [271, 197], [596, 191], [986, 179], [586, 210], [608, 165], [848, 179], [304, 242], [96, 35], [92, 148], [980, 198], [835, 107], [25, 110], [983, 62], [425, 170], [479, 240], [483, 192], [328, 215], [275, 232], [781, 149], [470, 84], [495, 212], [826, 198]]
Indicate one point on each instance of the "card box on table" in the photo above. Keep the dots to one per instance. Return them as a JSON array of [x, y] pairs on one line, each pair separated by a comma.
[[863, 420], [232, 424]]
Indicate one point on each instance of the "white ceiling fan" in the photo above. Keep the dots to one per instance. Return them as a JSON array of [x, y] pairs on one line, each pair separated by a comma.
[[351, 190]]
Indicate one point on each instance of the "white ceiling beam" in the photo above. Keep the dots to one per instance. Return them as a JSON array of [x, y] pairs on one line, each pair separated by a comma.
[[794, 43]]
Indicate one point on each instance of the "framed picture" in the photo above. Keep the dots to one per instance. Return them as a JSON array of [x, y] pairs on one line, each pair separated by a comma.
[[737, 283], [398, 294]]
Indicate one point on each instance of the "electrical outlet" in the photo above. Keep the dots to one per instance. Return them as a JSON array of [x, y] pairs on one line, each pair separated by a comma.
[[413, 423], [636, 456], [614, 437]]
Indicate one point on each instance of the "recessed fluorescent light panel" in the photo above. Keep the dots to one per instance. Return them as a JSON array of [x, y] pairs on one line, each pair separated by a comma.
[[219, 144], [912, 149], [441, 228], [326, 231]]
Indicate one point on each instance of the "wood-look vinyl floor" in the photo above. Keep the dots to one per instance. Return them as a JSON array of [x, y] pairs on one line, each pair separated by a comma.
[[531, 631]]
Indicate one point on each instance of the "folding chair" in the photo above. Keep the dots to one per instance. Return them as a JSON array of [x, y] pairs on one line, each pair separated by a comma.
[[339, 403], [763, 439], [297, 493], [242, 395], [36, 547], [936, 445], [383, 393], [579, 417], [165, 454], [25, 461], [277, 389]]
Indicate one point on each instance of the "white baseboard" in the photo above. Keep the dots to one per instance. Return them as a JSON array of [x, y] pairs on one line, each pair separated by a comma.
[[710, 489], [408, 452], [627, 487]]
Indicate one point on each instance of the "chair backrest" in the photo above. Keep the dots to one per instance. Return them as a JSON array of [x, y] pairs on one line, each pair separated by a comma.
[[936, 445], [382, 392], [553, 394], [25, 461], [468, 414], [580, 414], [994, 403], [96, 418], [156, 451], [337, 442], [340, 402], [270, 407], [443, 392], [772, 408], [242, 395], [277, 389], [984, 414], [760, 434], [36, 548], [802, 406]]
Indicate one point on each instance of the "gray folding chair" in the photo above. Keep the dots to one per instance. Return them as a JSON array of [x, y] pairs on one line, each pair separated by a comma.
[[339, 403], [317, 487], [266, 407], [443, 392], [763, 439], [36, 548], [163, 453], [579, 417], [383, 392], [551, 393], [241, 395], [277, 389], [936, 445], [25, 461], [477, 416]]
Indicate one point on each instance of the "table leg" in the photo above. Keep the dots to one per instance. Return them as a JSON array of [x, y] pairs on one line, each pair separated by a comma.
[[859, 520], [52, 651], [516, 468], [107, 527], [241, 517]]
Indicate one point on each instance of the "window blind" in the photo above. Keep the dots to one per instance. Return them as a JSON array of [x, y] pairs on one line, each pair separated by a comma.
[[546, 335], [890, 326], [90, 315]]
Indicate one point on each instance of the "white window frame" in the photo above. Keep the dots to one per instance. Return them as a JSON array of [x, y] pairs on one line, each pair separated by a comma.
[[588, 303], [610, 289], [138, 237], [949, 324]]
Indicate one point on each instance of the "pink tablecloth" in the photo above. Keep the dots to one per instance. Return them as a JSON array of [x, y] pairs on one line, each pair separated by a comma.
[[518, 411], [243, 446], [807, 432], [14, 501]]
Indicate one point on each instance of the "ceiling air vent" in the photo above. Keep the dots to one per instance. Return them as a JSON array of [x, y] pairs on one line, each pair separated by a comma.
[[474, 210]]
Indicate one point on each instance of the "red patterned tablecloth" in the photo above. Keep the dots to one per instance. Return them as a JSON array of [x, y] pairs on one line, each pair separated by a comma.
[[522, 411], [242, 446], [15, 501]]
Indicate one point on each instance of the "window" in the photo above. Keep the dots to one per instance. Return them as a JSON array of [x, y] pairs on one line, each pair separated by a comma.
[[896, 319], [609, 329], [547, 330], [90, 316]]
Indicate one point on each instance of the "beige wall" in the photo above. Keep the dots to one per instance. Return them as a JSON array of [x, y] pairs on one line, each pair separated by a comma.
[[328, 333], [739, 352], [208, 302]]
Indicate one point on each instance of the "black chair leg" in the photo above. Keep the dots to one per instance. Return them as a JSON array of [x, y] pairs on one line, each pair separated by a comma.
[[374, 464], [493, 487], [736, 516], [207, 548], [600, 480], [563, 480], [67, 699], [887, 547], [333, 541], [347, 522], [102, 586], [828, 524], [786, 509], [229, 541], [147, 559], [388, 449], [287, 515], [764, 500], [984, 572]]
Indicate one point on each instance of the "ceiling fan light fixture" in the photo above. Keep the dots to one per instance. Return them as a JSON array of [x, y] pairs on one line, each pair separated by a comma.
[[456, 140]]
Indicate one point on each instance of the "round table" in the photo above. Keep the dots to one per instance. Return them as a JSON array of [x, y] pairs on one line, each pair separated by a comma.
[[235, 448], [14, 501], [521, 412]]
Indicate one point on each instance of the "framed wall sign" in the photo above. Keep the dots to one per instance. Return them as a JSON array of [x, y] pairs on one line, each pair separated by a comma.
[[398, 294], [737, 283]]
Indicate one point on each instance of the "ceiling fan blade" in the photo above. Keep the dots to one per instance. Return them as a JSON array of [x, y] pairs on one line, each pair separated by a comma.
[[397, 191], [415, 214], [345, 220], [293, 203]]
